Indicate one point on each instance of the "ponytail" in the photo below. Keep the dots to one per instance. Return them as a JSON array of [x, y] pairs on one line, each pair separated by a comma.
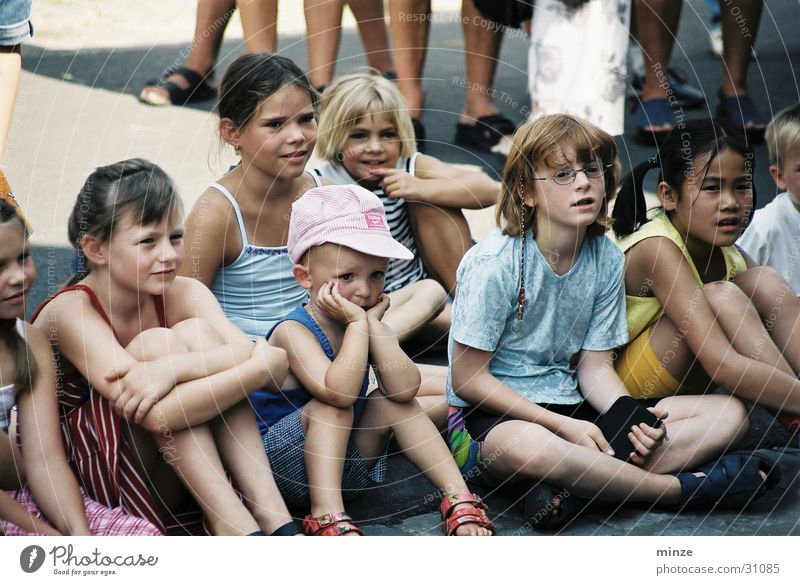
[[630, 209]]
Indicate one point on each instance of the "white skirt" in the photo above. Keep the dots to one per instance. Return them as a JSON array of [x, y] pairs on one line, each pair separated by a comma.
[[577, 61]]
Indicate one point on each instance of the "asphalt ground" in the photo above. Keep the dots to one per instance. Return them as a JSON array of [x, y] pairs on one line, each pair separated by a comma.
[[77, 109]]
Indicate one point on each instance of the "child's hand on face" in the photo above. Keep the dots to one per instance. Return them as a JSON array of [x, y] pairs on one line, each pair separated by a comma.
[[143, 384], [646, 439], [398, 184], [332, 303], [377, 312]]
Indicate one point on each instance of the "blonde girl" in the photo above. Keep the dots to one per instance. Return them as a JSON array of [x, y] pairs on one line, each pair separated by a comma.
[[366, 137]]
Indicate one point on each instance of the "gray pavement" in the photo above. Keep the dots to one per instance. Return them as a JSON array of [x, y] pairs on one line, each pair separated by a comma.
[[77, 110]]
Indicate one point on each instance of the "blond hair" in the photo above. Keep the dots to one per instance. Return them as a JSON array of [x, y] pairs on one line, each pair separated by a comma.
[[783, 133], [543, 141], [350, 98]]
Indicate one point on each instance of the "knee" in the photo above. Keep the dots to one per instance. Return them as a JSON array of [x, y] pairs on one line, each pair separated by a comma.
[[735, 415], [197, 334], [316, 412], [155, 343], [722, 295]]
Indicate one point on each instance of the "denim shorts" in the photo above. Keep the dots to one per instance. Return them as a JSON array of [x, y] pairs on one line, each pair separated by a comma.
[[15, 22]]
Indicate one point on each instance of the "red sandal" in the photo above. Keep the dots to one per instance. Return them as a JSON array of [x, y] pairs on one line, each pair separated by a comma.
[[330, 525], [474, 514]]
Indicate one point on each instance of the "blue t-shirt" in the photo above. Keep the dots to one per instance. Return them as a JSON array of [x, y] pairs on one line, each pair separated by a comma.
[[582, 309]]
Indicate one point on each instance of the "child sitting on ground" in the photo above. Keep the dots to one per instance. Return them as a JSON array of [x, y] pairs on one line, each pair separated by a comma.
[[366, 137], [773, 236], [322, 433]]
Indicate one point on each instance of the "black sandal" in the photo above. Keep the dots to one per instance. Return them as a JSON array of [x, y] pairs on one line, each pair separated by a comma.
[[486, 133], [733, 481], [537, 506], [198, 90]]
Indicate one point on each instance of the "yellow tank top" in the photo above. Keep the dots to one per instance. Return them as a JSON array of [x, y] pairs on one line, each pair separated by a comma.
[[644, 311]]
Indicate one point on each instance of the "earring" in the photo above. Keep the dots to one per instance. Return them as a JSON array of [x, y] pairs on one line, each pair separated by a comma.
[[521, 295], [237, 151]]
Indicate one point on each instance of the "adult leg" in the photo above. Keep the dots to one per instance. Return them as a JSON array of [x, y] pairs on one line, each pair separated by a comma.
[[324, 28], [373, 33], [409, 27], [481, 49], [10, 67], [740, 20], [259, 25], [210, 22], [419, 441]]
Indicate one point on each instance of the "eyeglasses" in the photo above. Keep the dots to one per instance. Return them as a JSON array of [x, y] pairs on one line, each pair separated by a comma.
[[567, 175]]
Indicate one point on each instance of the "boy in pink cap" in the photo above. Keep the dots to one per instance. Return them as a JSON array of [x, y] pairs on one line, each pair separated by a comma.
[[324, 439]]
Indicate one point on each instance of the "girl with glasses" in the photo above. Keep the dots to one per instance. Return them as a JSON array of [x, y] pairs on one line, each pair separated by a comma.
[[539, 309]]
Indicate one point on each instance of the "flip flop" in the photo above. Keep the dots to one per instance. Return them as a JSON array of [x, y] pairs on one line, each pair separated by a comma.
[[198, 90], [735, 113], [651, 113], [486, 133]]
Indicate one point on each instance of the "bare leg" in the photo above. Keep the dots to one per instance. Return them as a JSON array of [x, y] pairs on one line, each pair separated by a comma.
[[740, 20], [420, 442], [10, 67], [242, 452], [324, 27], [443, 237], [410, 24], [413, 306], [431, 394], [327, 429], [210, 22], [373, 33], [742, 324], [197, 462], [699, 428], [481, 49], [527, 450], [259, 25], [656, 24], [778, 307]]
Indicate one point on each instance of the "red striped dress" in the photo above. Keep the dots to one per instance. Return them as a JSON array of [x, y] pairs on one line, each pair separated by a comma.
[[98, 450]]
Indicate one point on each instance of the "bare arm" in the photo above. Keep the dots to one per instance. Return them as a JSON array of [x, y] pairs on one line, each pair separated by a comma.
[[660, 262], [398, 376], [212, 236], [474, 383], [90, 345], [442, 184], [51, 480]]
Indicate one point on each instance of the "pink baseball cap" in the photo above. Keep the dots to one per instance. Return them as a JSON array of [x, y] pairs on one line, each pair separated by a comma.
[[347, 215]]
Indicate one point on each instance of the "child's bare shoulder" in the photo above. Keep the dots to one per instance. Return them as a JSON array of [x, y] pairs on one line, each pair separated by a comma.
[[291, 336]]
